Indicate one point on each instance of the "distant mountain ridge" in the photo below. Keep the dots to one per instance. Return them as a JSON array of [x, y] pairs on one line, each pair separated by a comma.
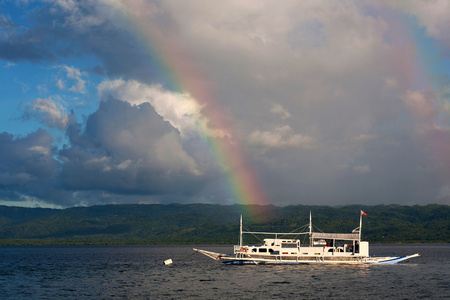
[[209, 223]]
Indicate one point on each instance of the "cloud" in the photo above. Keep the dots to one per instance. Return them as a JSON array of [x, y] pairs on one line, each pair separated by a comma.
[[6, 23], [50, 112], [279, 110], [77, 14], [308, 87], [363, 169], [123, 150], [432, 15], [76, 75], [60, 84], [181, 110], [27, 165], [40, 150], [421, 105], [281, 137], [128, 149], [20, 48], [18, 43], [362, 138]]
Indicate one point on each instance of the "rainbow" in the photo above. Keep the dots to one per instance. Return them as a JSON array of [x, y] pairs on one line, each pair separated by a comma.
[[418, 71], [181, 74]]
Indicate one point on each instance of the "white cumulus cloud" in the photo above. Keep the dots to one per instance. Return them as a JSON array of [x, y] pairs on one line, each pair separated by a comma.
[[74, 74], [180, 109], [50, 111]]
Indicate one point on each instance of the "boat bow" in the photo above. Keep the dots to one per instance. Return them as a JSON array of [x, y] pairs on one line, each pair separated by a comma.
[[213, 255]]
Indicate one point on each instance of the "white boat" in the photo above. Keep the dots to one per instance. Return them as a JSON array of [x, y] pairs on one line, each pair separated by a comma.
[[323, 248]]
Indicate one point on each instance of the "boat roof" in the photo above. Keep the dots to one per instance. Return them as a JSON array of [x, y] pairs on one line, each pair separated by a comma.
[[283, 240], [335, 236]]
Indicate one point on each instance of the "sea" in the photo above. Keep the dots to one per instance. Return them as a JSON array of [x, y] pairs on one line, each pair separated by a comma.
[[138, 272]]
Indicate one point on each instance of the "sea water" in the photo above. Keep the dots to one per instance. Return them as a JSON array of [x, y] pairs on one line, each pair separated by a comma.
[[138, 272]]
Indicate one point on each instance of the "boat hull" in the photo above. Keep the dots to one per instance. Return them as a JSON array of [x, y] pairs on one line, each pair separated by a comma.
[[301, 260]]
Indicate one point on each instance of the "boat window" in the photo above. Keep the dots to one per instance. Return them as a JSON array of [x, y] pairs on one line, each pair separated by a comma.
[[254, 250], [262, 250], [289, 245], [270, 250]]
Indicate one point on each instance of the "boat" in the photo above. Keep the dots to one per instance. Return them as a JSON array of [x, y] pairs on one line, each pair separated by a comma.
[[323, 248]]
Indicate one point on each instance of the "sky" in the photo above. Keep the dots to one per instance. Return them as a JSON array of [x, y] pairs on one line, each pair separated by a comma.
[[223, 102]]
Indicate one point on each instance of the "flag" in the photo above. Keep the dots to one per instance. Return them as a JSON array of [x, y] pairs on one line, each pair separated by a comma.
[[363, 213]]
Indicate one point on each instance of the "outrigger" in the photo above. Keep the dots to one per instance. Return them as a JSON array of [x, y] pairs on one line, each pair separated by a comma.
[[323, 248]]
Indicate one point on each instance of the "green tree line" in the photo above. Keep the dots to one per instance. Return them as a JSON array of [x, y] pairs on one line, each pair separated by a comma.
[[206, 223]]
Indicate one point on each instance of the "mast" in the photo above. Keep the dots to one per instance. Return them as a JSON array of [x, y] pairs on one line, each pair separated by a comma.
[[310, 229], [240, 234]]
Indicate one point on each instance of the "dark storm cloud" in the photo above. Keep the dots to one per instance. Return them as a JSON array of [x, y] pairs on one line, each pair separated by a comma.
[[123, 150], [26, 162], [127, 149], [30, 45], [30, 155], [80, 28]]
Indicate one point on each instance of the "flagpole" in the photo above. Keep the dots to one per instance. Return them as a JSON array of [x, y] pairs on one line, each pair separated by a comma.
[[360, 224]]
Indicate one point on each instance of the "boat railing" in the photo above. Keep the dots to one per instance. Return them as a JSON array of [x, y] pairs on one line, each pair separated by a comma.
[[383, 254]]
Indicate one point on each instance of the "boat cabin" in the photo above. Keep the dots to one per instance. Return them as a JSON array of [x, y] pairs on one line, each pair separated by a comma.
[[327, 244]]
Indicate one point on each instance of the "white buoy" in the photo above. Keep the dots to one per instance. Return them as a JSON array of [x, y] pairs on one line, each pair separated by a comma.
[[168, 262]]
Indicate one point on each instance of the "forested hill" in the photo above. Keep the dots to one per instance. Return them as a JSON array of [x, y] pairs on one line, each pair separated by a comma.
[[205, 223]]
